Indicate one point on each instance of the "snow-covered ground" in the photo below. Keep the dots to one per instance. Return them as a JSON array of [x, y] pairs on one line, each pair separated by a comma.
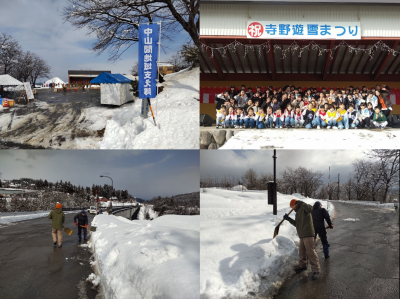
[[376, 204], [146, 259], [73, 126], [316, 139], [9, 217], [238, 253], [177, 113]]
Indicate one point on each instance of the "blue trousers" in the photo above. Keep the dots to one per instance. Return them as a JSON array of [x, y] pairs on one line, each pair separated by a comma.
[[260, 124], [249, 123], [278, 123], [239, 122], [289, 121], [80, 228]]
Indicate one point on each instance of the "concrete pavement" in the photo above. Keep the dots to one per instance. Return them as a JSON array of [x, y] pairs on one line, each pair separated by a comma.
[[31, 267], [364, 258]]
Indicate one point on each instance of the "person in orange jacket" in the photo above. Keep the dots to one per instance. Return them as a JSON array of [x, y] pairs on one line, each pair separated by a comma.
[[81, 221]]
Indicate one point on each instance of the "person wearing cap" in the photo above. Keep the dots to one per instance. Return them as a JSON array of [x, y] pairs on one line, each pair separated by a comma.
[[57, 217], [319, 214], [305, 229], [81, 221]]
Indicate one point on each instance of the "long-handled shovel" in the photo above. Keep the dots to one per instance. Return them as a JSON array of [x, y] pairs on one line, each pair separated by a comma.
[[152, 113], [67, 231], [276, 232]]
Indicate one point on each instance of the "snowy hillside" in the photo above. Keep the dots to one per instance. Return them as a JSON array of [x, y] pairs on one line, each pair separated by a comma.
[[238, 254], [177, 113], [146, 259]]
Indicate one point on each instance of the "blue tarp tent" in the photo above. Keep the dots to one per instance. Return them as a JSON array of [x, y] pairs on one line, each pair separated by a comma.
[[107, 78], [114, 88]]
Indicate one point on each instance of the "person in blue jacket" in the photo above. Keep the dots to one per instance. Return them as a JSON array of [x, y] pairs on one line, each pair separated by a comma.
[[81, 221], [319, 214]]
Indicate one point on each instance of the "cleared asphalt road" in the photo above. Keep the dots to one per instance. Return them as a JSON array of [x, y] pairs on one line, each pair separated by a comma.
[[31, 267], [364, 258]]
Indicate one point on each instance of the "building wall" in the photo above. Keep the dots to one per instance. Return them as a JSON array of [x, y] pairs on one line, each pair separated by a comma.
[[210, 108], [165, 70], [79, 80], [231, 19]]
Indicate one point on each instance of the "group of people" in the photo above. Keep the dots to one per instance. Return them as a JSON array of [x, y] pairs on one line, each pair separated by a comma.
[[57, 217], [290, 107]]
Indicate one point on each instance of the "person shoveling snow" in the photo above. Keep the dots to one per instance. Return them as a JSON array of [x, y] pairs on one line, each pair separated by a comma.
[[319, 214], [81, 224], [305, 229]]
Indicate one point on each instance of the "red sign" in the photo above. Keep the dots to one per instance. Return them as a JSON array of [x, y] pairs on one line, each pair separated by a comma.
[[255, 29]]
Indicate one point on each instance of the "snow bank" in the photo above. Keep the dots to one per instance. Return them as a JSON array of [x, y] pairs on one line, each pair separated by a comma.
[[239, 188], [177, 112], [316, 139], [351, 219], [6, 218], [147, 259], [369, 203], [238, 254]]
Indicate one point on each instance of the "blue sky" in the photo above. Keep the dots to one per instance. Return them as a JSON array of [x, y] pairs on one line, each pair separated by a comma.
[[39, 27], [144, 174]]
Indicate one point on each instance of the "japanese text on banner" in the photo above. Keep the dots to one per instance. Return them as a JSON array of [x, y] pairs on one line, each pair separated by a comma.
[[303, 30], [148, 51]]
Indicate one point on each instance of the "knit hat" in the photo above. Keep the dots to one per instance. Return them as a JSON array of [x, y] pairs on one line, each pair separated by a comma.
[[58, 206], [293, 202]]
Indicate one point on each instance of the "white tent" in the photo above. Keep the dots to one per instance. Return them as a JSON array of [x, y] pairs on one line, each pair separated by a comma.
[[114, 89], [55, 80], [8, 80]]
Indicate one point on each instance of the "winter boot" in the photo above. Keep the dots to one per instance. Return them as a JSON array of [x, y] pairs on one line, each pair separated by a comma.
[[59, 246], [315, 275], [299, 269], [55, 243], [326, 250]]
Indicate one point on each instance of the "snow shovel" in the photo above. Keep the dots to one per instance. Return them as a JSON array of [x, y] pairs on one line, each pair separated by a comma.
[[152, 113], [67, 231], [276, 232]]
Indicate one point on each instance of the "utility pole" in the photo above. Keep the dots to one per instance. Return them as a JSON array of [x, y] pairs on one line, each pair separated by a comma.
[[275, 195], [338, 186]]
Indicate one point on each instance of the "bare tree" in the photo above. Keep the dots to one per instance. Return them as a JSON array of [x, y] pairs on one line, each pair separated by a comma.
[[135, 69], [116, 23], [41, 69], [250, 179], [389, 168], [10, 52]]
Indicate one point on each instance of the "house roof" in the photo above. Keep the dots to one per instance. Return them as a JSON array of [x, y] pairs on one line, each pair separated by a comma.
[[87, 72]]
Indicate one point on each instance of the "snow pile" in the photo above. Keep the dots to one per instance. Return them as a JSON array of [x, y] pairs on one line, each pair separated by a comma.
[[239, 188], [351, 219], [147, 259], [376, 204], [177, 112], [238, 254], [146, 211], [318, 139], [6, 218]]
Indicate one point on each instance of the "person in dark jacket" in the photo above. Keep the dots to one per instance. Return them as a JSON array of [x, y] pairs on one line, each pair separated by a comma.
[[319, 214], [305, 229], [57, 217], [81, 221], [220, 99]]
